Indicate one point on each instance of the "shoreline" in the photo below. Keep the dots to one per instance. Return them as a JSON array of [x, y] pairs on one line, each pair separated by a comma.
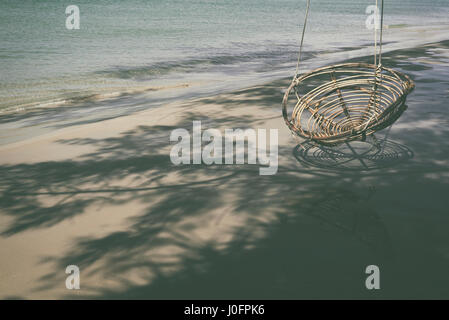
[[421, 36], [96, 108]]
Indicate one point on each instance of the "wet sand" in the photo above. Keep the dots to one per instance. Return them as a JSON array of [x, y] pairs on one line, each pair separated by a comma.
[[105, 196]]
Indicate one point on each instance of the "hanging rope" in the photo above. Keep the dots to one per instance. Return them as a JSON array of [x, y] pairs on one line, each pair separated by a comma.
[[381, 32], [302, 38], [375, 35]]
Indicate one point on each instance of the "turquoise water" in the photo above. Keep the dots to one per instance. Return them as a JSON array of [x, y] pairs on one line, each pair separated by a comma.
[[134, 46]]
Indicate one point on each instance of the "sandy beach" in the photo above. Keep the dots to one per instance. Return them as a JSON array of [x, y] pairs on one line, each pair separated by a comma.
[[104, 195]]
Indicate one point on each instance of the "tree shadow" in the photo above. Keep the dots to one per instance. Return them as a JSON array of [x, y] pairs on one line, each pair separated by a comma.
[[167, 240], [227, 232]]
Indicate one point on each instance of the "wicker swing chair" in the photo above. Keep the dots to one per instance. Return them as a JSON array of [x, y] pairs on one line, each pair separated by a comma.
[[345, 102]]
